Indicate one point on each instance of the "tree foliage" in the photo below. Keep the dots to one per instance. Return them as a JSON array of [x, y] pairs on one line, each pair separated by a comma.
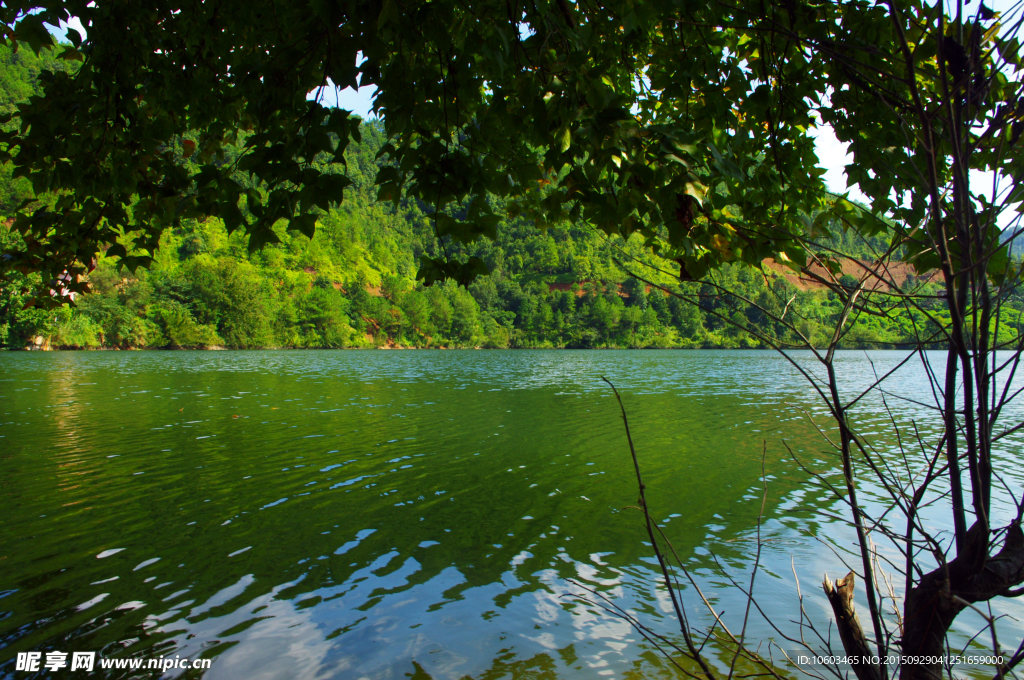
[[691, 131]]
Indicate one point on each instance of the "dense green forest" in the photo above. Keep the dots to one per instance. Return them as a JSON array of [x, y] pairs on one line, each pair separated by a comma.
[[353, 284]]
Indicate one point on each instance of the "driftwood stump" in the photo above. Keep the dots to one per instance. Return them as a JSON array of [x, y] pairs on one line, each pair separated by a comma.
[[840, 595]]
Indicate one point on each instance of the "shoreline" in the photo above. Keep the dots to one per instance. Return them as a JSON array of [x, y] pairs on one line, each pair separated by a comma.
[[218, 348]]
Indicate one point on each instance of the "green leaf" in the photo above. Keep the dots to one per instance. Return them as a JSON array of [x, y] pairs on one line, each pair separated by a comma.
[[32, 31], [389, 13], [116, 250], [564, 139], [304, 224], [70, 53]]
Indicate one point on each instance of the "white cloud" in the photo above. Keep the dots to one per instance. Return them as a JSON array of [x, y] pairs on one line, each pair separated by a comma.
[[61, 31], [834, 156], [359, 102]]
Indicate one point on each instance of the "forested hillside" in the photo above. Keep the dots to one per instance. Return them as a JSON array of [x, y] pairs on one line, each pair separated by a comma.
[[353, 284]]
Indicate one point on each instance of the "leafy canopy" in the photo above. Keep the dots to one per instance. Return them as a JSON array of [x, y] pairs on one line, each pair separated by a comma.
[[684, 120]]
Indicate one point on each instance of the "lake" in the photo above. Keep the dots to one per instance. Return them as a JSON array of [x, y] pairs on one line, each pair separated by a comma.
[[425, 514]]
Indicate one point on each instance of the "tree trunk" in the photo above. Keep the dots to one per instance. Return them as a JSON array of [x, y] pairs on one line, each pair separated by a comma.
[[928, 613], [974, 576]]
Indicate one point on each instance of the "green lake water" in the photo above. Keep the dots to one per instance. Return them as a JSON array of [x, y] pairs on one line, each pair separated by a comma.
[[361, 514]]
